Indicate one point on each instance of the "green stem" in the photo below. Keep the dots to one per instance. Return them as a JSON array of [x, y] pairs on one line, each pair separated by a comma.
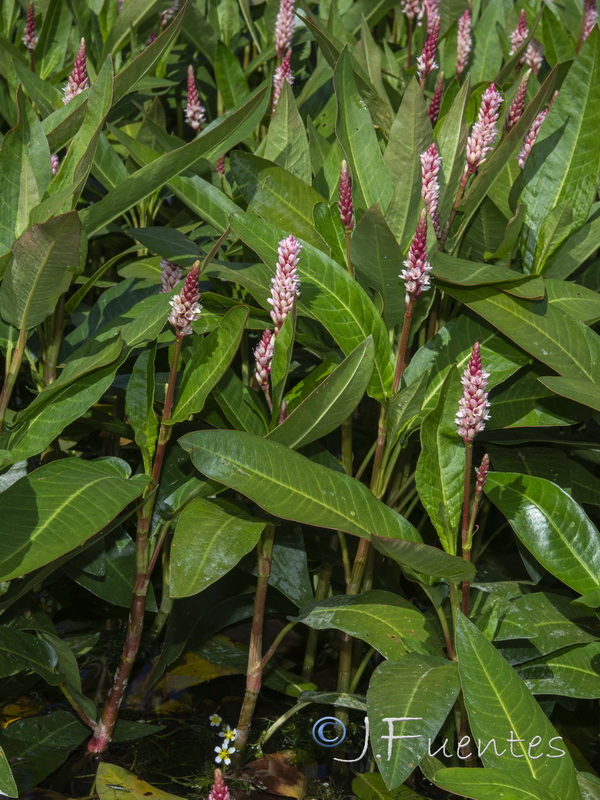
[[348, 237], [401, 356], [459, 196], [360, 669], [465, 543]]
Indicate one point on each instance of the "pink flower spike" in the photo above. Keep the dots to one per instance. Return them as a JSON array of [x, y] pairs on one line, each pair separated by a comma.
[[167, 15], [284, 27], [220, 167], [431, 162], [590, 15], [195, 113], [285, 284], [78, 80], [170, 275], [30, 37], [345, 203], [416, 274], [120, 6], [436, 101], [185, 307], [516, 109], [482, 474], [54, 164], [151, 38], [520, 33], [473, 406], [530, 137], [282, 73], [534, 56], [483, 133], [411, 8], [219, 790], [263, 356], [464, 43], [426, 61], [432, 10]]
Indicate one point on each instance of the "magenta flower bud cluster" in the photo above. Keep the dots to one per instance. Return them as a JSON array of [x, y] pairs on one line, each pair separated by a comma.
[[220, 166], [520, 33], [283, 73], [285, 284], [170, 275], [426, 61], [531, 137], [474, 405], [534, 56], [263, 356], [590, 15], [411, 8], [195, 113], [464, 42], [30, 37], [284, 27], [436, 101], [482, 474], [345, 204], [167, 15], [516, 108], [185, 307], [416, 274], [431, 162], [151, 38], [54, 164], [483, 133], [219, 790], [78, 80]]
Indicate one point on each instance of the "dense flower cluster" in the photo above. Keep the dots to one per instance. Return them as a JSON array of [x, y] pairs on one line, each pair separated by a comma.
[[54, 163], [263, 356], [185, 307], [167, 15], [345, 204], [483, 133], [412, 8], [170, 275], [78, 79], [426, 61], [219, 790], [464, 42], [431, 162], [284, 27], [516, 108], [520, 33], [195, 113], [416, 274], [30, 37], [474, 405], [590, 15], [436, 101]]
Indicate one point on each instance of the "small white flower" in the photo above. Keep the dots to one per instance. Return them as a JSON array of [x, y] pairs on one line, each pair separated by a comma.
[[215, 720], [223, 754], [228, 734]]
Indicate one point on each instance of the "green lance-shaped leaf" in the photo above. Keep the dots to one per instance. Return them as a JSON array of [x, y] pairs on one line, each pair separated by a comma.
[[452, 139], [129, 18], [386, 621], [139, 405], [564, 163], [491, 784], [208, 362], [208, 542], [354, 127], [501, 708], [8, 787], [230, 77], [551, 525], [292, 486], [327, 293], [553, 337], [581, 391], [26, 173], [422, 690], [58, 507], [576, 249], [276, 195], [568, 673], [45, 259], [287, 143], [215, 139], [378, 259], [441, 466], [330, 403]]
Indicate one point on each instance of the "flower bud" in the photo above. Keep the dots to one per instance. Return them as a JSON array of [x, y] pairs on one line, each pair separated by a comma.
[[30, 37], [416, 274], [426, 61], [263, 356], [78, 80], [170, 275], [431, 162], [283, 72], [219, 790], [195, 113], [464, 42], [473, 406], [520, 33], [436, 101], [516, 109], [284, 27], [185, 307], [483, 133], [345, 203], [285, 284]]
